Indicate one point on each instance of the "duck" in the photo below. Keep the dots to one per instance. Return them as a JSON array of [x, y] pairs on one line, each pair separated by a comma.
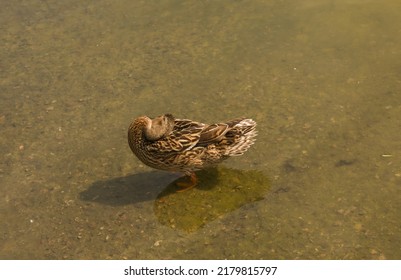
[[186, 146]]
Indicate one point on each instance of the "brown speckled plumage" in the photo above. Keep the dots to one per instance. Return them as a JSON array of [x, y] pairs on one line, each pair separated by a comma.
[[183, 145]]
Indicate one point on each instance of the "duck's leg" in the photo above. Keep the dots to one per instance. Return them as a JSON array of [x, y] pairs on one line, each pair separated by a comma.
[[193, 180]]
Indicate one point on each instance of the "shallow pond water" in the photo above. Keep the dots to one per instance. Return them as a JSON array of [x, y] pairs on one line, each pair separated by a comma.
[[321, 79]]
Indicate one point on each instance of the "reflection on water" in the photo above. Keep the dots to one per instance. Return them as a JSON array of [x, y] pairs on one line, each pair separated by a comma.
[[219, 192], [321, 79]]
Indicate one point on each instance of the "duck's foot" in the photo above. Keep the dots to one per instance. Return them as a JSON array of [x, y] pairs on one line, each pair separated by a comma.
[[193, 180]]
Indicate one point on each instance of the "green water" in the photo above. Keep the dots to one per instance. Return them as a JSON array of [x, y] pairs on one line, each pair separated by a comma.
[[321, 78]]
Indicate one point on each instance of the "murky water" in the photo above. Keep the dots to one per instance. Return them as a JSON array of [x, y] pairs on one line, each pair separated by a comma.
[[321, 78]]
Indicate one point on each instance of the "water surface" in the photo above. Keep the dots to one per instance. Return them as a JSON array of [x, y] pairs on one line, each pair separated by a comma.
[[321, 78]]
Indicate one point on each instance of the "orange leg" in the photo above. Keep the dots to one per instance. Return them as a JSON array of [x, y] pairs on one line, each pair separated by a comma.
[[193, 180]]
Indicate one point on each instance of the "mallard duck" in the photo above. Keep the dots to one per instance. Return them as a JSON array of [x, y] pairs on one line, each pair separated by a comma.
[[183, 145]]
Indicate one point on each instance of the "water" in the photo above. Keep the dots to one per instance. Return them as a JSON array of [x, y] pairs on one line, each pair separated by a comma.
[[321, 78]]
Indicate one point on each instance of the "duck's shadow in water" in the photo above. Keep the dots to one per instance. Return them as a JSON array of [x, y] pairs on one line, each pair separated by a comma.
[[219, 191], [141, 187], [129, 189]]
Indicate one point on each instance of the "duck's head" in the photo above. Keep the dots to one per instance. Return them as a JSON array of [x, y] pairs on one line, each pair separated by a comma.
[[158, 127]]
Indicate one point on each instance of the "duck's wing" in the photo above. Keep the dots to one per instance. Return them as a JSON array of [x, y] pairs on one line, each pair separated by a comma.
[[212, 133], [215, 133]]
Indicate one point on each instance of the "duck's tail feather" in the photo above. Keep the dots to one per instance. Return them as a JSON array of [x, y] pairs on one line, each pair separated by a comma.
[[244, 135]]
